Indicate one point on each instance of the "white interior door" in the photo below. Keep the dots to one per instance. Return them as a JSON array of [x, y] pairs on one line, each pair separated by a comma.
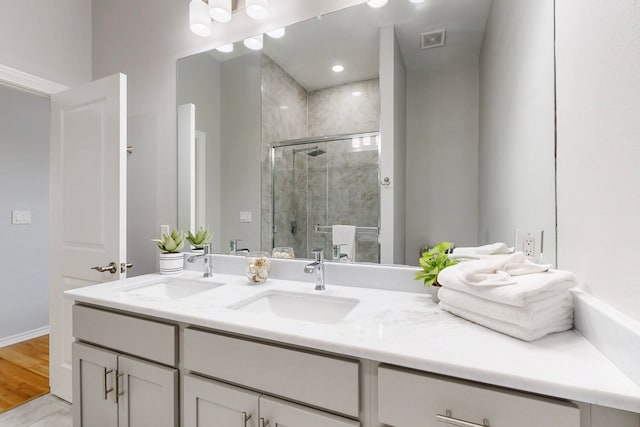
[[87, 204]]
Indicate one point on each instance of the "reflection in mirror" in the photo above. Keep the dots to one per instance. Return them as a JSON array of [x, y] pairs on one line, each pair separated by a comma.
[[456, 96]]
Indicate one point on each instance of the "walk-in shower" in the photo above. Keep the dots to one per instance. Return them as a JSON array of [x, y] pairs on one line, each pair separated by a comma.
[[321, 182]]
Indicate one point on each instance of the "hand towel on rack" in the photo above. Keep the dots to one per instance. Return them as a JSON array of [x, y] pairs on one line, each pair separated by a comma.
[[498, 270], [523, 333], [556, 307], [345, 235], [526, 289]]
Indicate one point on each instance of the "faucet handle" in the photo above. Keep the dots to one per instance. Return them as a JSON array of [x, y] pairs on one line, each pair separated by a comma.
[[233, 245], [319, 254]]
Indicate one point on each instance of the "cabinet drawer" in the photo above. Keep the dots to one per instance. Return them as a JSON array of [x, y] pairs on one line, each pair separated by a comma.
[[408, 399], [322, 381], [140, 337]]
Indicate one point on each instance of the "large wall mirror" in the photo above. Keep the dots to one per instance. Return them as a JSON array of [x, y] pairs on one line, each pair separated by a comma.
[[440, 126]]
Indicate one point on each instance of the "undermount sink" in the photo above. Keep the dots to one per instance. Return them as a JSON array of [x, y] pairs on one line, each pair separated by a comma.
[[172, 288], [298, 306]]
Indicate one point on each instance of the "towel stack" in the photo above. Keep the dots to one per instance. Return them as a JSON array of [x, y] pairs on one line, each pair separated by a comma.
[[509, 294]]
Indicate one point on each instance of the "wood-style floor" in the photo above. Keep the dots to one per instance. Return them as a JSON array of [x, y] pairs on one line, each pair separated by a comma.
[[24, 372]]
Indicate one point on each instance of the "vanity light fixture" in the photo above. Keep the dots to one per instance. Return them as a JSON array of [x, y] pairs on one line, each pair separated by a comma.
[[226, 48], [254, 43], [377, 3], [356, 93], [220, 10], [276, 34], [199, 20], [366, 141], [355, 142], [257, 9], [337, 68]]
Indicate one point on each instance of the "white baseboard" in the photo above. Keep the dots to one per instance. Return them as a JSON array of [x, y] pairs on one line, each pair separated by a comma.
[[13, 339]]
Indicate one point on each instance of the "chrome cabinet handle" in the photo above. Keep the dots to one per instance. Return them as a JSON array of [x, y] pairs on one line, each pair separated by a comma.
[[119, 390], [262, 422], [448, 419], [111, 268], [104, 382], [124, 266], [245, 417]]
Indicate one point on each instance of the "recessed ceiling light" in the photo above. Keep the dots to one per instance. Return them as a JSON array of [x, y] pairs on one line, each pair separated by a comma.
[[284, 107], [226, 48], [276, 34], [356, 93], [377, 3], [254, 43], [338, 68]]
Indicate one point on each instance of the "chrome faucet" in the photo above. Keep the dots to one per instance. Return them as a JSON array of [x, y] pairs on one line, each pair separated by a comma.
[[206, 257], [233, 247], [317, 266], [337, 253]]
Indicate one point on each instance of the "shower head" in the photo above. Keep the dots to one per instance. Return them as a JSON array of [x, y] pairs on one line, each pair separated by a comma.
[[316, 152], [311, 151]]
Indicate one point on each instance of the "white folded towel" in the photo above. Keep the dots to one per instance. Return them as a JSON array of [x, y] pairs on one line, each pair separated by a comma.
[[497, 270], [345, 235], [525, 334], [532, 316], [525, 290]]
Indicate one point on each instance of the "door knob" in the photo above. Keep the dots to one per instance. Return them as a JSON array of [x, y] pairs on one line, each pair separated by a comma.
[[124, 266], [111, 268]]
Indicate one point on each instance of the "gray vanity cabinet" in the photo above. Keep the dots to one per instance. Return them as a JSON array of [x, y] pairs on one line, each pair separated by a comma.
[[212, 403], [116, 380], [409, 398], [115, 390]]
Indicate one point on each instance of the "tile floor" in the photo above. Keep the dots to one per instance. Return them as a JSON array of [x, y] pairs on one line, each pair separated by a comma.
[[45, 411]]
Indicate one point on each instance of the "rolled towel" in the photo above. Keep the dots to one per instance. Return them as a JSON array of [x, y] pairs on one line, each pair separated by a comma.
[[526, 289], [532, 316], [525, 334], [497, 270]]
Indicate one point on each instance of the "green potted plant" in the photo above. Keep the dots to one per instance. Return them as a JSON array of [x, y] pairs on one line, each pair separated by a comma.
[[171, 260], [198, 240], [433, 262]]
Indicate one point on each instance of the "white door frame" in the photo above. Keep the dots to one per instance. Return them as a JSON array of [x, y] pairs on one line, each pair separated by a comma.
[[35, 84]]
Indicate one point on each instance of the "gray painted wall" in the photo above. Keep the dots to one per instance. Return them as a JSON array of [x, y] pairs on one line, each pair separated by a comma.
[[517, 166], [241, 148], [599, 147], [24, 185], [191, 73], [48, 39], [442, 157]]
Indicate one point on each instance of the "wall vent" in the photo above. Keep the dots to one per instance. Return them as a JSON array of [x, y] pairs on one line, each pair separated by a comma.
[[432, 39]]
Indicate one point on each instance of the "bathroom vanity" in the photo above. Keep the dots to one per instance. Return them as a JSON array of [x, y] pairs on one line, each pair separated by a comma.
[[187, 351]]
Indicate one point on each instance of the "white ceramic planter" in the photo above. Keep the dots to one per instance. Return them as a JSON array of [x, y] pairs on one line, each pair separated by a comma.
[[171, 263]]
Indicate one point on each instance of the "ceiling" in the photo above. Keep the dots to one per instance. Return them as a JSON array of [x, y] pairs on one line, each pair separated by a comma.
[[350, 37]]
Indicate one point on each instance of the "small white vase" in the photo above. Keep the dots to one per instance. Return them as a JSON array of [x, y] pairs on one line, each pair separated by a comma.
[[434, 293], [171, 263]]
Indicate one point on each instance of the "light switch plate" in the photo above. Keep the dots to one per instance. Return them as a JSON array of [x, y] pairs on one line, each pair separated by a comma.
[[245, 216], [20, 217]]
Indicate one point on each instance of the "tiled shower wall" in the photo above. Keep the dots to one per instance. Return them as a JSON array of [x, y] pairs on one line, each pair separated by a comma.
[[339, 187]]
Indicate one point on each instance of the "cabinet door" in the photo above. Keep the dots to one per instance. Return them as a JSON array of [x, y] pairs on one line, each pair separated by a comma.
[[147, 394], [209, 403], [276, 412], [94, 379]]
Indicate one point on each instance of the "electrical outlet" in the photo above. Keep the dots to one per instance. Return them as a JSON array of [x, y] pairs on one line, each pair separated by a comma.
[[165, 229], [530, 243]]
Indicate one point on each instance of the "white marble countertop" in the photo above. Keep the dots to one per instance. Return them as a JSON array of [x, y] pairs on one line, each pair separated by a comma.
[[399, 328]]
